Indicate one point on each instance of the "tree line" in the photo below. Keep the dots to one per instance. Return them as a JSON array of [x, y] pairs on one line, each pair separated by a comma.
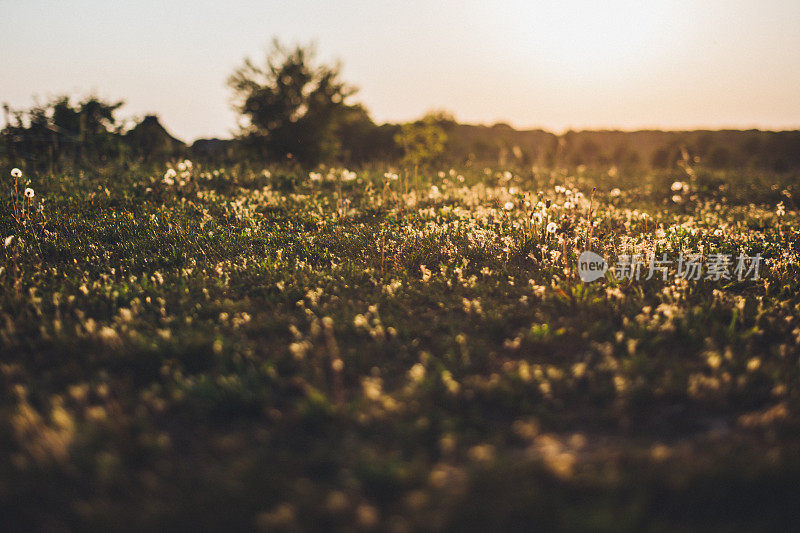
[[297, 111]]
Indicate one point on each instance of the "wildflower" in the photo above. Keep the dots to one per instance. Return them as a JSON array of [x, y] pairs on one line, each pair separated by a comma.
[[426, 274], [677, 198], [348, 175], [16, 173], [417, 372], [390, 176], [315, 176], [29, 192], [568, 205], [615, 192], [509, 206], [169, 176], [552, 227], [781, 210], [677, 186], [8, 241]]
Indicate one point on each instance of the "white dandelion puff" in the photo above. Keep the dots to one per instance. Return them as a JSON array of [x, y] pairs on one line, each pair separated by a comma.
[[29, 192], [16, 173]]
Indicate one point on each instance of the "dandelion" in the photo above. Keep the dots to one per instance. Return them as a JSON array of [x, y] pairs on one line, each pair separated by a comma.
[[568, 205], [677, 198], [417, 372], [426, 274], [8, 241], [615, 192], [677, 186], [169, 176], [552, 227], [509, 206], [390, 176], [16, 173], [29, 192], [315, 176], [781, 209]]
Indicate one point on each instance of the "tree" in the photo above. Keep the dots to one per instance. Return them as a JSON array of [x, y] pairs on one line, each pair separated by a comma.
[[291, 105], [425, 140], [47, 134]]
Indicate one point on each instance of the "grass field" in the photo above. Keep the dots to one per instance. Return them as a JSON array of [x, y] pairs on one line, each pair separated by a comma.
[[239, 349]]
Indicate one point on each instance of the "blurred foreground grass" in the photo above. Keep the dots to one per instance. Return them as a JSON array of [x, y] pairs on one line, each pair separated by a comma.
[[230, 349]]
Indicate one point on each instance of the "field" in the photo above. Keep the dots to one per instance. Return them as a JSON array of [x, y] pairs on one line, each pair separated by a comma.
[[243, 348]]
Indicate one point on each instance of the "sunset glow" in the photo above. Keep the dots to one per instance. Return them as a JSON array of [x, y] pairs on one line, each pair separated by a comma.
[[555, 65]]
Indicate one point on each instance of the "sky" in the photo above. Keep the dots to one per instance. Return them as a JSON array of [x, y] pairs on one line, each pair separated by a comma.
[[556, 65]]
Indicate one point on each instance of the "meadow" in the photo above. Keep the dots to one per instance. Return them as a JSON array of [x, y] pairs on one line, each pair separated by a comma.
[[384, 349]]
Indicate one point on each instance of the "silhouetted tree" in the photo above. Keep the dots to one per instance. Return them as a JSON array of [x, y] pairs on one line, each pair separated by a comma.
[[52, 133], [292, 106]]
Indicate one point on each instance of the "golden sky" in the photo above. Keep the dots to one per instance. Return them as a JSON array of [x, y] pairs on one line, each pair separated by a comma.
[[551, 64]]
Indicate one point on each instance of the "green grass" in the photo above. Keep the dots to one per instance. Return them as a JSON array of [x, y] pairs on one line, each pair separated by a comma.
[[254, 350]]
